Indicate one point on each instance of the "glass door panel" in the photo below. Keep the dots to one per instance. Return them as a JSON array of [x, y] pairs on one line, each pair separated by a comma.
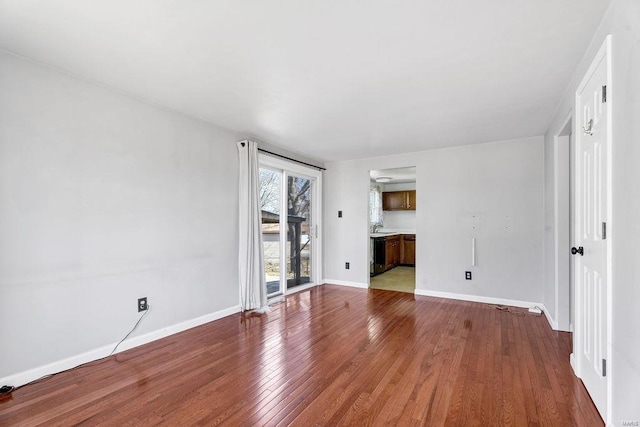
[[299, 231], [289, 208], [270, 204]]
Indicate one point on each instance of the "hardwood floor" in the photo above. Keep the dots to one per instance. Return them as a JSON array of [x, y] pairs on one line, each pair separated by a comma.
[[329, 356]]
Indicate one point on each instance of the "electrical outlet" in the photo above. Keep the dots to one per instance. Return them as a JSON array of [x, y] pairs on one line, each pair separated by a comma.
[[142, 304], [467, 275], [346, 265], [339, 214]]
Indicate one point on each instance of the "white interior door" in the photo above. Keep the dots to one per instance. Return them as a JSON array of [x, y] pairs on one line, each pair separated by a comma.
[[591, 249]]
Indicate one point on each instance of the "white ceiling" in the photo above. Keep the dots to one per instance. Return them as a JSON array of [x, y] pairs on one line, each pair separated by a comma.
[[396, 175], [329, 79]]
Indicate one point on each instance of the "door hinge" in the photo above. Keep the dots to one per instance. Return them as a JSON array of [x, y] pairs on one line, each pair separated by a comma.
[[604, 367], [604, 230], [604, 94]]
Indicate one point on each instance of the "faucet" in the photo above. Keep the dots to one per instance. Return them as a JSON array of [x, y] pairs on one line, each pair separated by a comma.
[[376, 227]]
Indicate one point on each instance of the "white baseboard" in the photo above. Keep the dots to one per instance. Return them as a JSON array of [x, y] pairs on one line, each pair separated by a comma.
[[572, 362], [478, 298], [25, 377], [489, 300], [179, 327], [345, 283], [551, 320]]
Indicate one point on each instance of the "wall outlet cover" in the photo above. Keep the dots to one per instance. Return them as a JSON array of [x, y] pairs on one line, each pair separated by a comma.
[[142, 304]]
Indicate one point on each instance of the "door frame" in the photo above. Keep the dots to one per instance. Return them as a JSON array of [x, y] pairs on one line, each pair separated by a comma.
[[288, 167], [369, 243], [604, 54], [563, 218]]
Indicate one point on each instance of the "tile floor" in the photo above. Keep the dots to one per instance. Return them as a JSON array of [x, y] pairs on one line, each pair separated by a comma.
[[400, 279]]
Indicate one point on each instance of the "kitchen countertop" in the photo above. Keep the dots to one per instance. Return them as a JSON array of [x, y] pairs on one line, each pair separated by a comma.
[[391, 233]]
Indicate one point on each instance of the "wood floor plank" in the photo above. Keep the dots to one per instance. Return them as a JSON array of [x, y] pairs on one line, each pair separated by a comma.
[[328, 356]]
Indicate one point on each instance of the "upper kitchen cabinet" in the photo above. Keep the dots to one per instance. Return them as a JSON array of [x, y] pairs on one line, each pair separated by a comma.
[[399, 200], [411, 197], [393, 200]]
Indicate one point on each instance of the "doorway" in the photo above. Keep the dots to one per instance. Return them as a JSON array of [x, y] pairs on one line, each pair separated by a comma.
[[392, 229], [289, 199], [563, 220]]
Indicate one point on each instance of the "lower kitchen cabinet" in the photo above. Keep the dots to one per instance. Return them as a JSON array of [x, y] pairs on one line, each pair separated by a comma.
[[392, 251], [408, 249]]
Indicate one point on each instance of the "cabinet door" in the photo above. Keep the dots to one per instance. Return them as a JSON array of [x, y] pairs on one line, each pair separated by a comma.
[[399, 200], [392, 252], [409, 249], [388, 251], [396, 252], [411, 200], [393, 200]]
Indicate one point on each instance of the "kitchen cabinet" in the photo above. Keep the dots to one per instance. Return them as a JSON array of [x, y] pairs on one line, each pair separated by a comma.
[[399, 200], [393, 200], [392, 252], [408, 249], [411, 198]]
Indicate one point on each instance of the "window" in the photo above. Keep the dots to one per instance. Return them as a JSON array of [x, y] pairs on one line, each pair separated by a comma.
[[375, 203]]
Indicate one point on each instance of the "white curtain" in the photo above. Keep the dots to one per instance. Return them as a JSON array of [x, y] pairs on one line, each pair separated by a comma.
[[253, 287]]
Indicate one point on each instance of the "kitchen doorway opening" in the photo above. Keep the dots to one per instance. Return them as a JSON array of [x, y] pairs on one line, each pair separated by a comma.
[[290, 211], [392, 229]]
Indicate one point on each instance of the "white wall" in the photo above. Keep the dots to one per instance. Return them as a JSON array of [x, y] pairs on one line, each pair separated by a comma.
[[501, 183], [399, 187], [399, 219], [549, 235], [623, 22], [104, 199]]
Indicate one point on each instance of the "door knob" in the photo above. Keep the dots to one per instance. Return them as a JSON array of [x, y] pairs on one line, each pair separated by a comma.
[[579, 250]]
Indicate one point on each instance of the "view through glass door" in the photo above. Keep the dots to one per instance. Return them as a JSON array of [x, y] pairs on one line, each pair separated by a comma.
[[299, 228], [270, 204], [288, 204]]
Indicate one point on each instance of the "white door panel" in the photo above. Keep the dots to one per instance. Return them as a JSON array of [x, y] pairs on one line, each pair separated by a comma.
[[592, 144]]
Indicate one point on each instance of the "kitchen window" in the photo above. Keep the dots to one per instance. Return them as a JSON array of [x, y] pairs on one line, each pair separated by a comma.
[[375, 202]]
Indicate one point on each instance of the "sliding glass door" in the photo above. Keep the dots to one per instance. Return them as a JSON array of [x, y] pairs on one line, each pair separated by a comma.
[[271, 203], [299, 231], [290, 209]]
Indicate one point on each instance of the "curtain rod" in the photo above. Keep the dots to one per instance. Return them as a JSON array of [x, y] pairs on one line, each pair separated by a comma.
[[293, 160]]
